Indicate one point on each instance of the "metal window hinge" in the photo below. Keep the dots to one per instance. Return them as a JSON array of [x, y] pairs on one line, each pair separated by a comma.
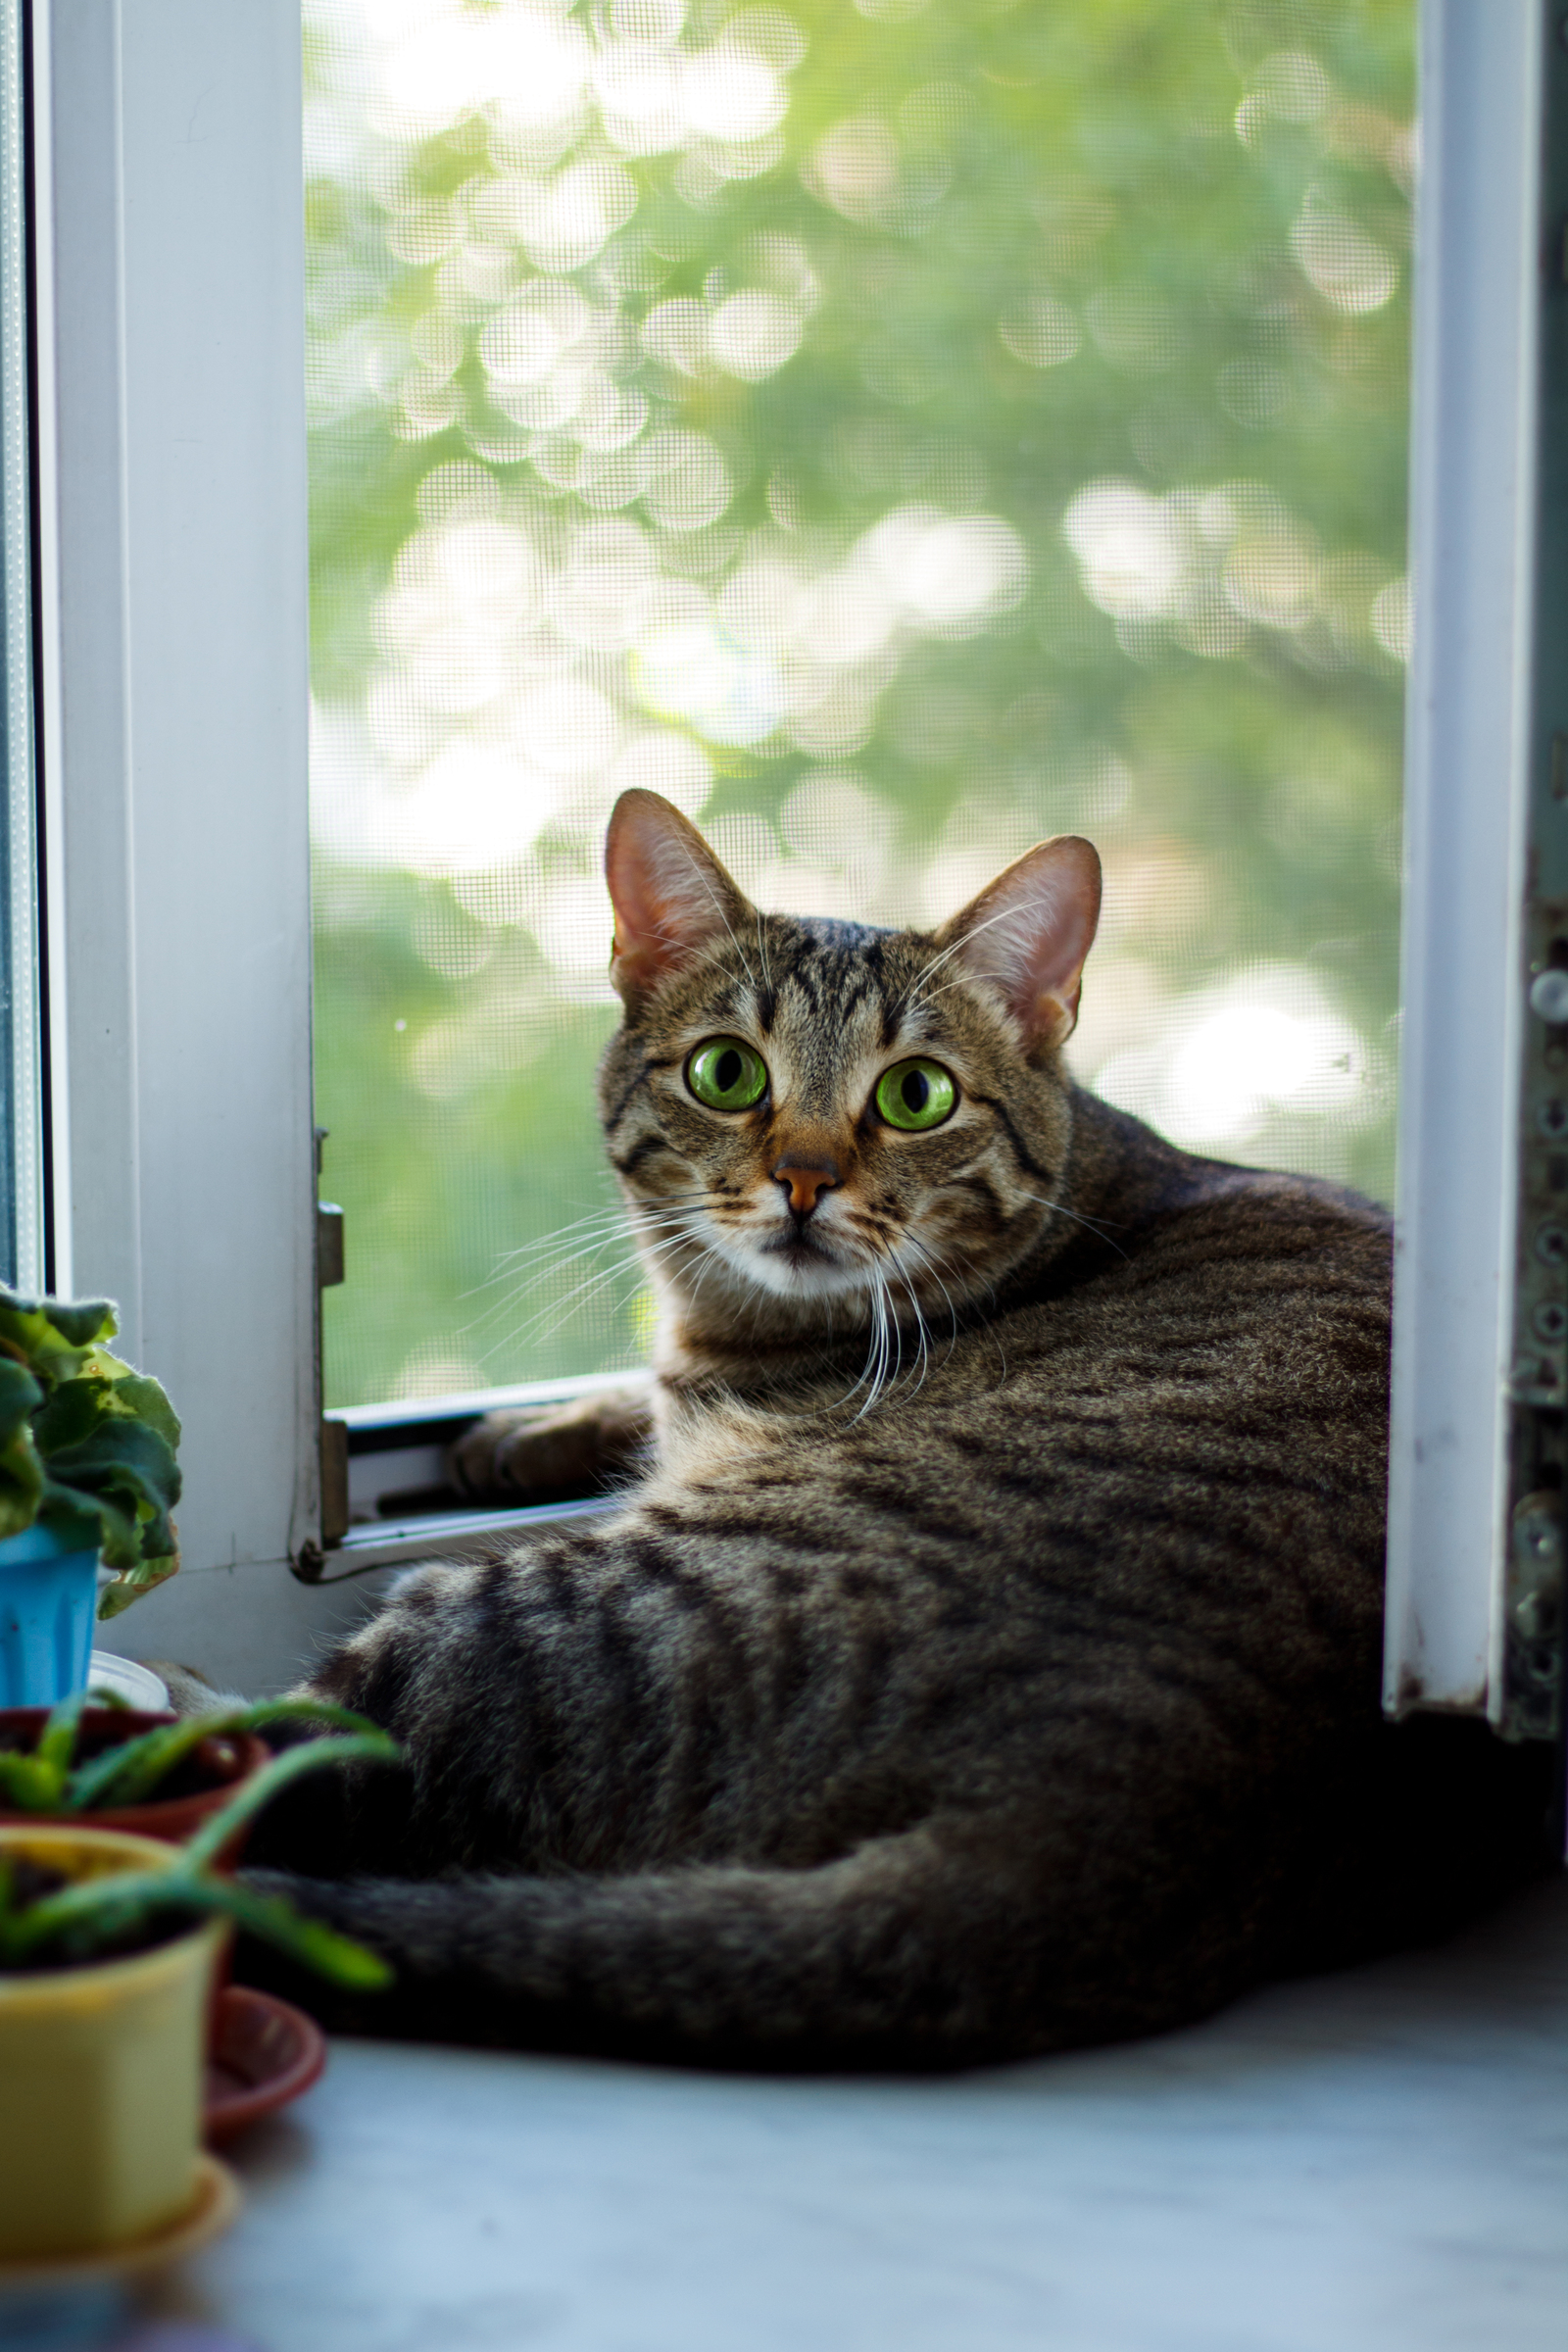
[[1533, 1626], [328, 1244], [333, 1437], [1531, 1629]]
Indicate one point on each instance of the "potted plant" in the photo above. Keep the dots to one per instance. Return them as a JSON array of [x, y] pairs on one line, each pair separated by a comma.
[[107, 1945], [88, 1474], [118, 1769]]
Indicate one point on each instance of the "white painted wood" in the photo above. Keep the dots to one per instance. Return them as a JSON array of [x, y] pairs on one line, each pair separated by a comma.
[[174, 563], [24, 1210], [175, 702], [1473, 479]]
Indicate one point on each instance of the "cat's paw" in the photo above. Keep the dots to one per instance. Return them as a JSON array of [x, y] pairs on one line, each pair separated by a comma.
[[546, 1452]]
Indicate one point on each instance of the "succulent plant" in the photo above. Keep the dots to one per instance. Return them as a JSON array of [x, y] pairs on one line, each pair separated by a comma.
[[76, 1923], [82, 1431], [48, 1779]]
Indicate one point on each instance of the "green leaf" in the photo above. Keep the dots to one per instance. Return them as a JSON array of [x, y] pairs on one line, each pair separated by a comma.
[[365, 1747], [53, 1335], [81, 1430], [107, 1902], [71, 1415], [338, 1958], [128, 1475], [81, 1322], [132, 1583], [126, 1451], [42, 1782], [20, 1481], [57, 1742], [27, 1785], [130, 1773], [95, 1911], [19, 1395], [120, 1527], [134, 1393]]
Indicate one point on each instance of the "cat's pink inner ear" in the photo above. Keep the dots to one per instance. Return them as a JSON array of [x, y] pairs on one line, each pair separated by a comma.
[[669, 892], [1029, 931]]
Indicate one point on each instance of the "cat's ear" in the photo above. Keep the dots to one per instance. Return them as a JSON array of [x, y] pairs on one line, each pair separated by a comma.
[[1028, 933], [669, 892]]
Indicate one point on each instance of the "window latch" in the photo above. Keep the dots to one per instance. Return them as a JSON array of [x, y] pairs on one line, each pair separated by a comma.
[[333, 1438]]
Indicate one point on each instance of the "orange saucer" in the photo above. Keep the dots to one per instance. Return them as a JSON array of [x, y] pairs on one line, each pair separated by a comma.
[[265, 2052], [211, 2211]]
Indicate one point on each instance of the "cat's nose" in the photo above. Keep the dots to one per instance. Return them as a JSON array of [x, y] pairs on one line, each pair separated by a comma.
[[805, 1183]]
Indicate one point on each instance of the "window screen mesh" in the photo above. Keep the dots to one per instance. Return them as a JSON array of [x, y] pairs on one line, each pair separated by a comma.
[[895, 431]]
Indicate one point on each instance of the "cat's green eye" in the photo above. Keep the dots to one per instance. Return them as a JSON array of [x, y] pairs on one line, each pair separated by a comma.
[[727, 1074], [914, 1094]]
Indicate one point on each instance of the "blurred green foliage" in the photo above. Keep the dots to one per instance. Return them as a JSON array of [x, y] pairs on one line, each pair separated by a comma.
[[904, 430]]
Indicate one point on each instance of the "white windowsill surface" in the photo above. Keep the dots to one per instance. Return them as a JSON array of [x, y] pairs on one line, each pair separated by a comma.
[[1374, 2162]]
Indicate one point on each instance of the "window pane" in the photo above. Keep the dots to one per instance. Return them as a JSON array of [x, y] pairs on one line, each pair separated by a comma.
[[896, 432]]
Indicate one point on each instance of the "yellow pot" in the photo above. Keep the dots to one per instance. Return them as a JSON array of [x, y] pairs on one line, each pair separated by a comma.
[[101, 2069]]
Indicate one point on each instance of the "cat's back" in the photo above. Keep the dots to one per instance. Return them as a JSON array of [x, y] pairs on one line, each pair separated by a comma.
[[1201, 1390], [1176, 1428], [1131, 1518], [1201, 1311], [1203, 1275]]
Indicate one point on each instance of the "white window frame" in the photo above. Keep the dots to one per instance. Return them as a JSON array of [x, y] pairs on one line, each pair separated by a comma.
[[169, 336], [1485, 827], [174, 713], [173, 566]]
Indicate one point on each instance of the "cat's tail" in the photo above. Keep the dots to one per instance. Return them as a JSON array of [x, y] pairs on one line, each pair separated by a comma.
[[973, 1935], [927, 1947]]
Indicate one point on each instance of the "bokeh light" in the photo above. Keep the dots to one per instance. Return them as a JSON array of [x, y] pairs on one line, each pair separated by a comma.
[[895, 432]]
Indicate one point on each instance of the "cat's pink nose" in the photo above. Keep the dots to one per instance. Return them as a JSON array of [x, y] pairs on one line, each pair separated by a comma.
[[804, 1183]]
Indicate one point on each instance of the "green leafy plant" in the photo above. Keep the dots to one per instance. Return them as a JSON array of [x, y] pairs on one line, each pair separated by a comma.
[[81, 1431], [84, 1919], [49, 1780]]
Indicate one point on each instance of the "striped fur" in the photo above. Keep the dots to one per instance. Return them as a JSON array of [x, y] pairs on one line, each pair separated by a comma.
[[986, 1659]]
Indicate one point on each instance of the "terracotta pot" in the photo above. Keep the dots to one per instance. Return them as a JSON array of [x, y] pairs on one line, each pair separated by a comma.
[[101, 2071], [231, 1760]]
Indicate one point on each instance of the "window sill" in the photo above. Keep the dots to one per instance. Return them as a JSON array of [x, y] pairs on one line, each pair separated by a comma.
[[401, 1507], [1374, 2161], [440, 1535]]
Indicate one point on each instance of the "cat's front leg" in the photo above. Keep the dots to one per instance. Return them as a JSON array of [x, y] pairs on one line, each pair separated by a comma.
[[539, 1452]]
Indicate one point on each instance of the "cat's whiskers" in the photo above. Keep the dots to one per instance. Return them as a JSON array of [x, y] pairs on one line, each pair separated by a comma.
[[1062, 1211], [518, 1268], [919, 1322], [514, 1269], [761, 950], [929, 1263], [581, 1293], [885, 1332], [919, 990], [521, 1278], [718, 907], [964, 980], [871, 1369], [612, 1214], [586, 1290], [892, 1340]]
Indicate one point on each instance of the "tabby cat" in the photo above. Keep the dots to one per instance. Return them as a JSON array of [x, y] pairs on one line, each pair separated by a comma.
[[983, 1656]]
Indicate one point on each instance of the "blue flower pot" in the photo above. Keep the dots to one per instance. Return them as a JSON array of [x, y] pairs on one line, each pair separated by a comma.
[[48, 1602]]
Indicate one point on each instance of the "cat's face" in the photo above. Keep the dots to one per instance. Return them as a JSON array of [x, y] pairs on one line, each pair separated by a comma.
[[842, 1123]]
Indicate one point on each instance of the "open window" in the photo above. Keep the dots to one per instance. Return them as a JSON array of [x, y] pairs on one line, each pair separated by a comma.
[[1481, 1299], [895, 431]]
